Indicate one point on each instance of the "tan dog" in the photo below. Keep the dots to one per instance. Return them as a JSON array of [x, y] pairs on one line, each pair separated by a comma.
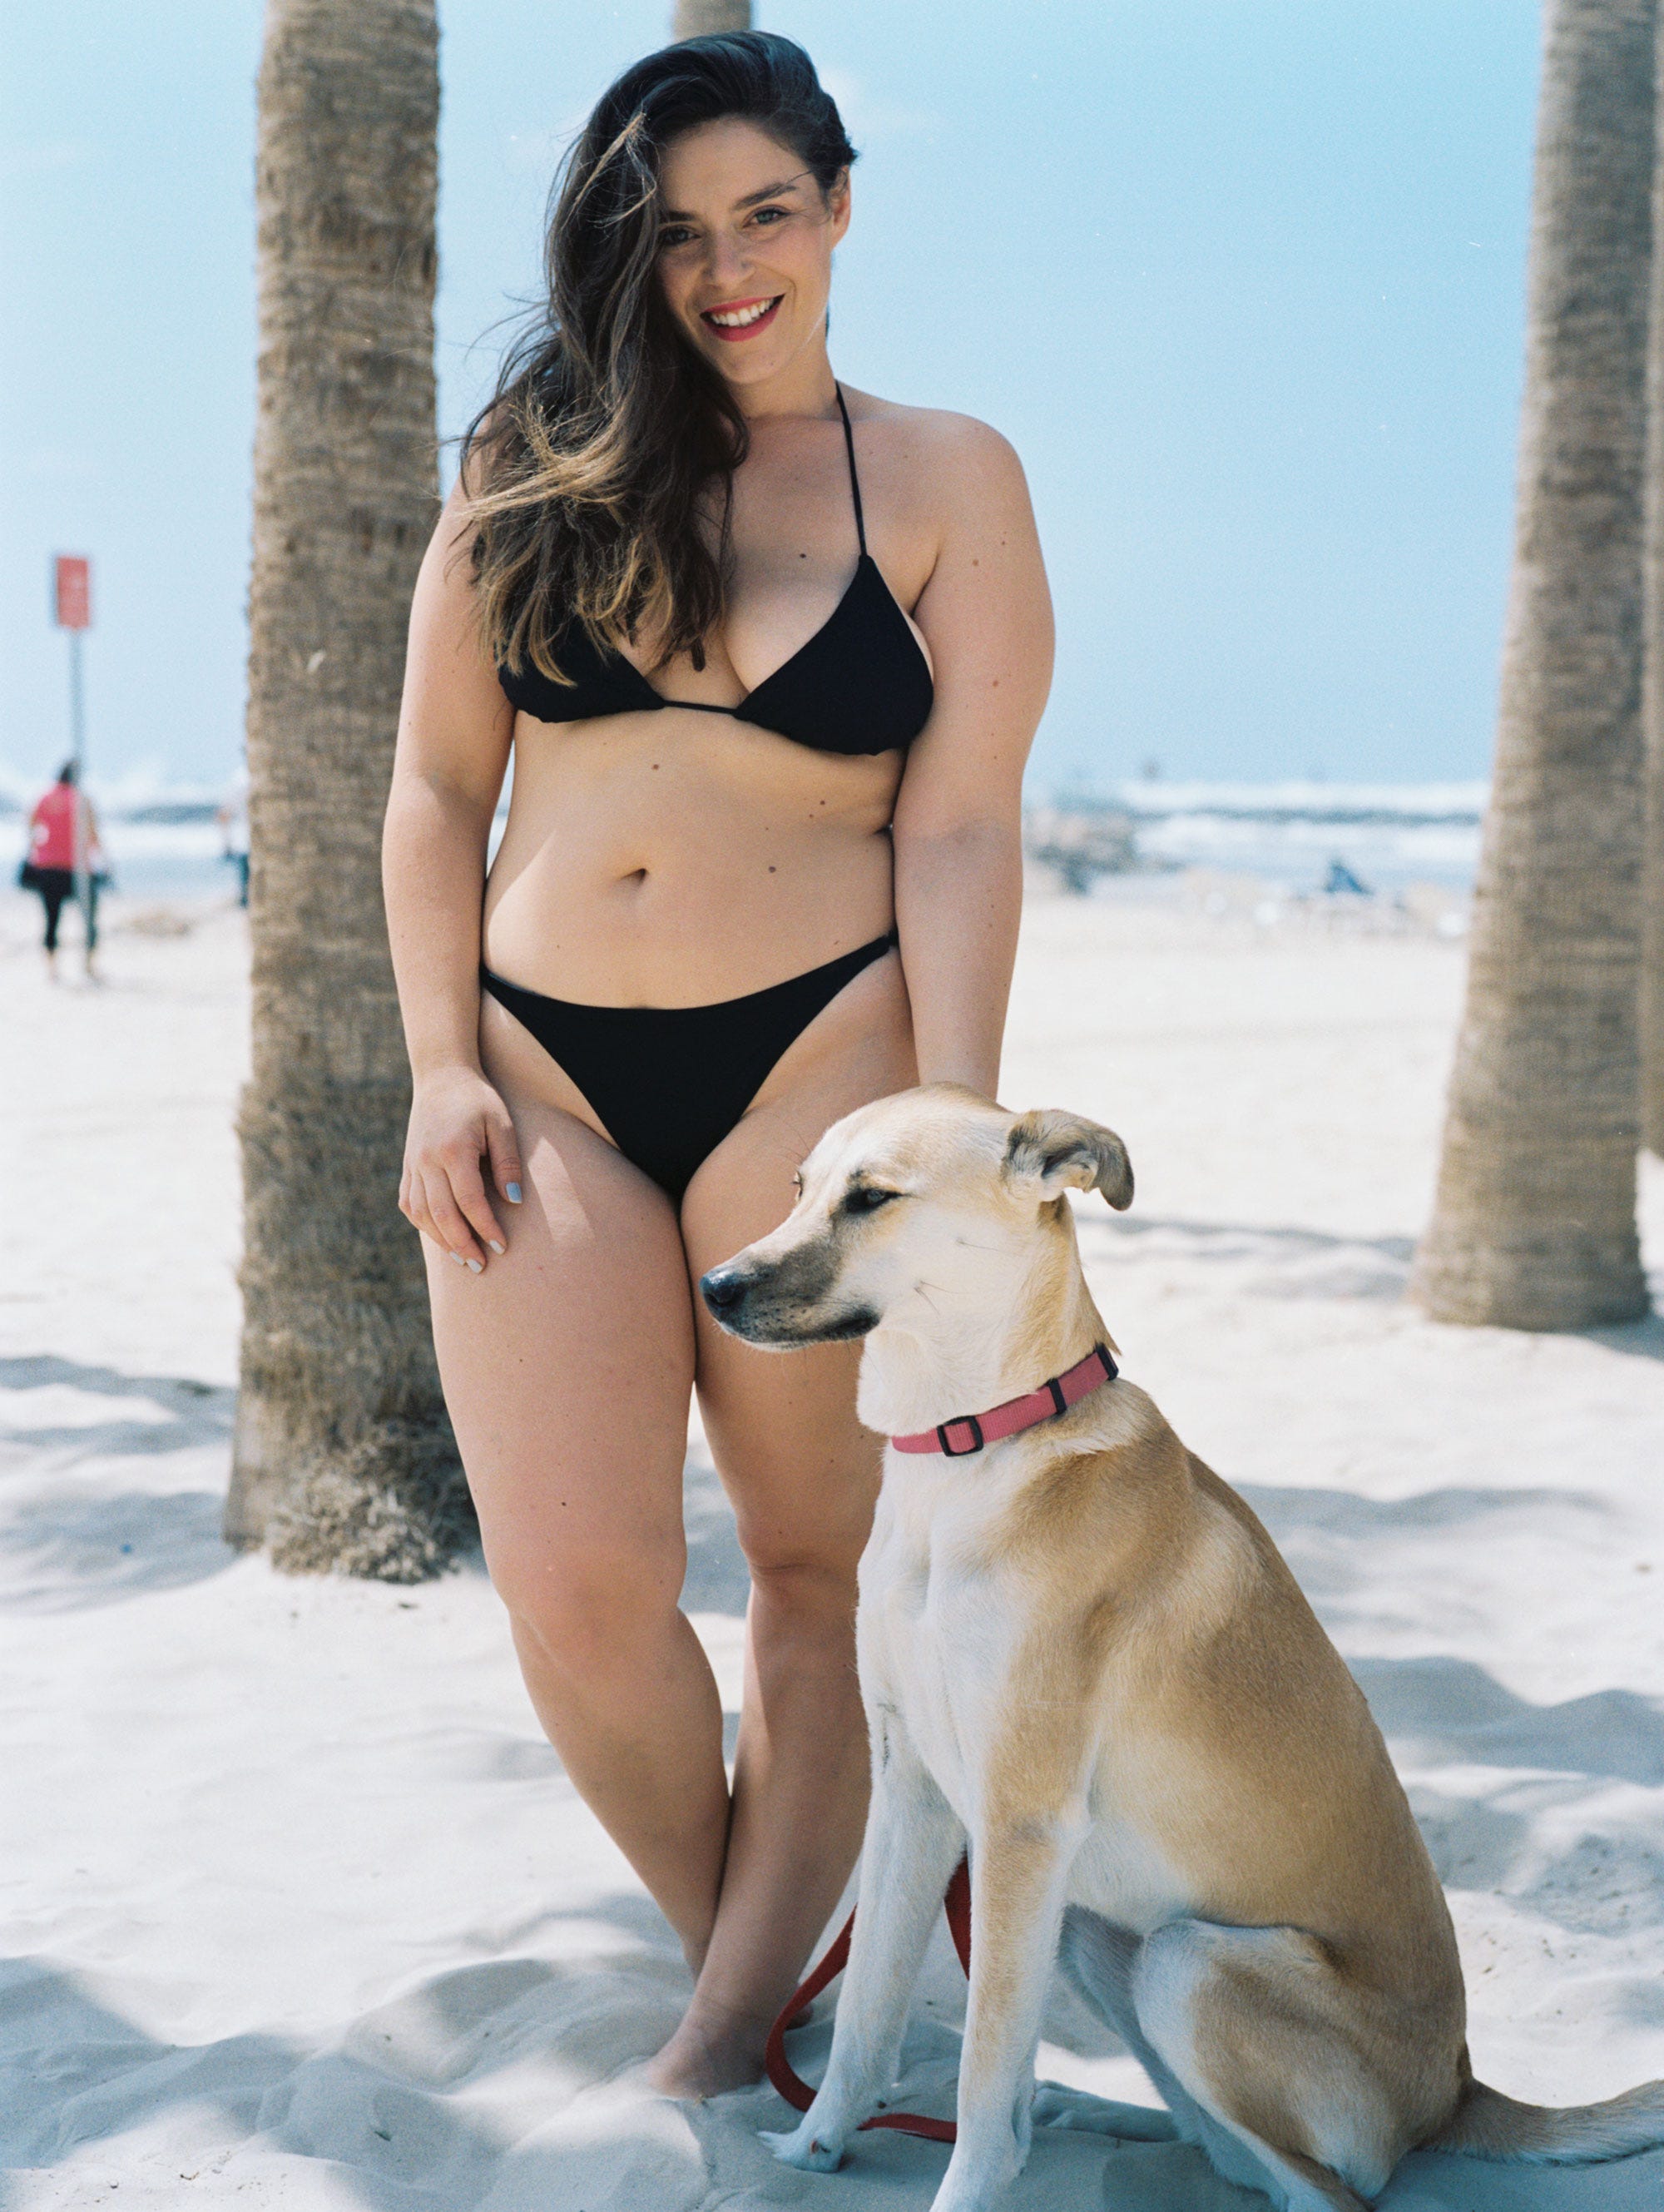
[[1082, 1655]]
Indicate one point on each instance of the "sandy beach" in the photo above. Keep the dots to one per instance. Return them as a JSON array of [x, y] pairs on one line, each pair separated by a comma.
[[303, 1911]]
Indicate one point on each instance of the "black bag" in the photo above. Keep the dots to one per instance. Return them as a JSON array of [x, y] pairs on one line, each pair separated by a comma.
[[29, 876]]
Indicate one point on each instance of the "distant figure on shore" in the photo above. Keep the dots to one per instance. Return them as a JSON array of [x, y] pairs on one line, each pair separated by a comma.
[[232, 819], [1342, 880], [51, 866]]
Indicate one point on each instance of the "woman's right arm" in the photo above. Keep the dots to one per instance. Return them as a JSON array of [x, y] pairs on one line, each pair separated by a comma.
[[454, 731]]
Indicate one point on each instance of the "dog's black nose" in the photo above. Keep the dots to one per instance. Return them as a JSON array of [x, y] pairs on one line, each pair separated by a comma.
[[723, 1291]]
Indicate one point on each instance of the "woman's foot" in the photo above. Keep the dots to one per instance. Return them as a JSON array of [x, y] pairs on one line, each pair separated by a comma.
[[709, 2056]]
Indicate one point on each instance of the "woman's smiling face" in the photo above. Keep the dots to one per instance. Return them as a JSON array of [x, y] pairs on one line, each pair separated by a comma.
[[746, 247]]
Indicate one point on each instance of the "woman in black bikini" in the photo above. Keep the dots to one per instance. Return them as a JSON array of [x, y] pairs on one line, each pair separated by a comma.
[[761, 865]]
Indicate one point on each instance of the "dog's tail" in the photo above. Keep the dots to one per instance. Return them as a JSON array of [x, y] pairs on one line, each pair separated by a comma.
[[1487, 2125]]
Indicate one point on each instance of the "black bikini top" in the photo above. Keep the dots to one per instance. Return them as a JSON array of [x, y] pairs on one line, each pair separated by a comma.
[[861, 684]]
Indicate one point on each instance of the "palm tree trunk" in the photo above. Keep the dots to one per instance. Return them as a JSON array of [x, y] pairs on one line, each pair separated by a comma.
[[343, 1458], [1652, 692], [694, 18], [1534, 1223], [1652, 963]]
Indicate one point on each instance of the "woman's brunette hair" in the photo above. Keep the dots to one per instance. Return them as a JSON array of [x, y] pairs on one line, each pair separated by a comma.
[[588, 464]]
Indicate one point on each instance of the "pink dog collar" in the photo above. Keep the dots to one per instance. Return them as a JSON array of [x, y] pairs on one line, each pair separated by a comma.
[[1055, 1395]]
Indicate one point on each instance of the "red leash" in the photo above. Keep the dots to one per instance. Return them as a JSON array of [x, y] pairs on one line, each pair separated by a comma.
[[797, 2092]]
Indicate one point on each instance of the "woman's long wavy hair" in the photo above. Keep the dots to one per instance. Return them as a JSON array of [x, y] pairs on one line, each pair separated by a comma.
[[606, 432]]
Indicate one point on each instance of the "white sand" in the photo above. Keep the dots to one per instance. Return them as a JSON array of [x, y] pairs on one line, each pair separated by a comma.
[[304, 1912]]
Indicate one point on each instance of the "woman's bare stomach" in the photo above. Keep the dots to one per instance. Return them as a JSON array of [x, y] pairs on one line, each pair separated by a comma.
[[675, 860]]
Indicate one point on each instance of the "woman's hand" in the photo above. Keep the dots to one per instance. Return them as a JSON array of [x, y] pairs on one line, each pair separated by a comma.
[[457, 1121]]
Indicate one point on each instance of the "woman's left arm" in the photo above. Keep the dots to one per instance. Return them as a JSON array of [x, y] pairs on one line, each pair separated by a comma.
[[987, 617]]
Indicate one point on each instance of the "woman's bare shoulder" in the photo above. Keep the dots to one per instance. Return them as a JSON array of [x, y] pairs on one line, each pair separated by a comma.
[[938, 432], [934, 454]]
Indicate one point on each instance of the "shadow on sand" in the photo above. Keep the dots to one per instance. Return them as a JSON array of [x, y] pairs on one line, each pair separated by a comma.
[[105, 1514], [507, 2087], [417, 2102], [1318, 1263]]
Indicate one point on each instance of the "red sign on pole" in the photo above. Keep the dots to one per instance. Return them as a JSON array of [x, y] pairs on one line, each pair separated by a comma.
[[72, 592]]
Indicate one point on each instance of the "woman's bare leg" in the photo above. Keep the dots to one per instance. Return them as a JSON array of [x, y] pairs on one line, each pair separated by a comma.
[[803, 1476], [568, 1368]]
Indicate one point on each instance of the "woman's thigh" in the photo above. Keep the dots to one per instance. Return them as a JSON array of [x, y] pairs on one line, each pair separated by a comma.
[[800, 1470], [567, 1367]]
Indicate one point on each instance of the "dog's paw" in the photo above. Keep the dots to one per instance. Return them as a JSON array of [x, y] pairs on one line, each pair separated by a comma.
[[800, 2148], [1055, 2106]]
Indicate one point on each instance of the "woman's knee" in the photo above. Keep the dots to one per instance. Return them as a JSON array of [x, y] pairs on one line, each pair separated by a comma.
[[584, 1610], [808, 1586]]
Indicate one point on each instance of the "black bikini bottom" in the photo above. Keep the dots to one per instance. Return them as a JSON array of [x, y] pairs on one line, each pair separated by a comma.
[[667, 1084]]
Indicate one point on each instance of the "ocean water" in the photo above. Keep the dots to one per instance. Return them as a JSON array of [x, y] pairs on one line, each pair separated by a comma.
[[1287, 835], [1389, 836], [163, 860]]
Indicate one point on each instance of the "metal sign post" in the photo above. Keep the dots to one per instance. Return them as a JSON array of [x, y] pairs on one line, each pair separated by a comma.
[[72, 609]]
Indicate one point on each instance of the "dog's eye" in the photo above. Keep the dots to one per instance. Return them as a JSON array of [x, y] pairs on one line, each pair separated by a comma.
[[865, 1198]]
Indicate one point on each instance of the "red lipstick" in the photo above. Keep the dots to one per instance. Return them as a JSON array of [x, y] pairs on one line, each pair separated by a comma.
[[732, 332]]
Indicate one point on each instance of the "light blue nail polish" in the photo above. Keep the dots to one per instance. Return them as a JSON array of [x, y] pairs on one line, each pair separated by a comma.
[[458, 1257], [513, 1193], [474, 1266], [495, 1247]]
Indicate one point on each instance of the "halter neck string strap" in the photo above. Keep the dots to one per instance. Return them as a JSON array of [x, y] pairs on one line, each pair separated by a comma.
[[854, 481]]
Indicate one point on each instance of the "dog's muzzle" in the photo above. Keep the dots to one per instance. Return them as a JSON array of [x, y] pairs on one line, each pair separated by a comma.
[[780, 1306]]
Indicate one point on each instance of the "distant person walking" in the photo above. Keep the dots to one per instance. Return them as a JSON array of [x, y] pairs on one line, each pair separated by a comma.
[[50, 868], [232, 819]]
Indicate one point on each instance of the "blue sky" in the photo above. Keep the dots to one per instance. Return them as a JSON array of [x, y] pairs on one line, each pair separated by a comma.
[[1242, 281]]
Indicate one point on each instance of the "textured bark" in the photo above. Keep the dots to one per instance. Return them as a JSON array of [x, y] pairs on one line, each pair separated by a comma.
[[694, 18], [1652, 967], [343, 1457], [1652, 899], [1534, 1223]]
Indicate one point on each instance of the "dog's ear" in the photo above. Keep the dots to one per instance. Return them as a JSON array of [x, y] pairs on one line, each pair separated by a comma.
[[1049, 1151]]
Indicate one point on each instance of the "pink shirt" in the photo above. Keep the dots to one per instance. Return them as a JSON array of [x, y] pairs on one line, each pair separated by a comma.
[[51, 829]]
